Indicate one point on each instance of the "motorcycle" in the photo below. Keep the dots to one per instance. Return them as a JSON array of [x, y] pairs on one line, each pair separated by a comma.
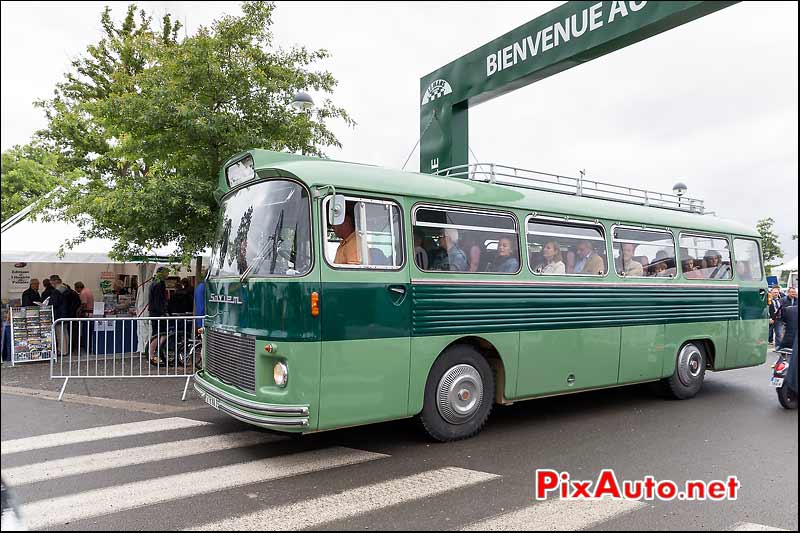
[[780, 370], [784, 371]]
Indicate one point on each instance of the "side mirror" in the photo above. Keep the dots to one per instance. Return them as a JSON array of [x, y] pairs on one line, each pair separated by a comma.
[[336, 210]]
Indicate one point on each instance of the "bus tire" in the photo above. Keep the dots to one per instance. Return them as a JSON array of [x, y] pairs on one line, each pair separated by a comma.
[[458, 395], [690, 370]]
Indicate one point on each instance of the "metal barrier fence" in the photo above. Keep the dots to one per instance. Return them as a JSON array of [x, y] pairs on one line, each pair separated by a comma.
[[126, 347]]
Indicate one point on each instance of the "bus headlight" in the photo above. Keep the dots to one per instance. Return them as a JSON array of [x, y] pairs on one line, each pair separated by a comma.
[[280, 373]]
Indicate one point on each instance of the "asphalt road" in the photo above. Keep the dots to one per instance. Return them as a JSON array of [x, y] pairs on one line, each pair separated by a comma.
[[194, 468]]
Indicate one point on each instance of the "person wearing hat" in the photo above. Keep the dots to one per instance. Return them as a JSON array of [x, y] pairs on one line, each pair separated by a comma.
[[157, 304]]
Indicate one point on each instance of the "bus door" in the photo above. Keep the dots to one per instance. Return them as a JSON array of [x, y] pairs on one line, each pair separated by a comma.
[[366, 314], [752, 328]]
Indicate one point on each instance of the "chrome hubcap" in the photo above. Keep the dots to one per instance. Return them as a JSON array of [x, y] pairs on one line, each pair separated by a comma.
[[459, 394], [690, 363]]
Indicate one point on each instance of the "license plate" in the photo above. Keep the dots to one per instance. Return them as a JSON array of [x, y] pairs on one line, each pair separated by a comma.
[[210, 400], [776, 382]]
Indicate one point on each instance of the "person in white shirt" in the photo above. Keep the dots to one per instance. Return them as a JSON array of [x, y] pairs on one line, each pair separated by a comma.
[[553, 261]]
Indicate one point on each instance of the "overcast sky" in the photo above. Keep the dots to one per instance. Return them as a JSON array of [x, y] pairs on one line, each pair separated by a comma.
[[713, 103]]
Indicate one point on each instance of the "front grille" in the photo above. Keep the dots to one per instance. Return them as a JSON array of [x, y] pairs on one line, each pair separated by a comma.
[[231, 358]]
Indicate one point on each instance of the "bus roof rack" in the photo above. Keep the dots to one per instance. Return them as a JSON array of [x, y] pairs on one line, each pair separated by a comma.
[[542, 181]]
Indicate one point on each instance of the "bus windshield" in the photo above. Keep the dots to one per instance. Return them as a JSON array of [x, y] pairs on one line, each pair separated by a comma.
[[264, 230]]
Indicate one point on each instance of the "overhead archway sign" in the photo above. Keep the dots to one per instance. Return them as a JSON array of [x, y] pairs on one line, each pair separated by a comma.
[[567, 36]]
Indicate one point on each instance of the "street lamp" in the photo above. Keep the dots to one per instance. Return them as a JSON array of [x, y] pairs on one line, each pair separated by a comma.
[[302, 101], [679, 189]]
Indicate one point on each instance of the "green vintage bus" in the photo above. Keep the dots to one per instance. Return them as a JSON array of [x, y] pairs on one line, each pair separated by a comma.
[[343, 294]]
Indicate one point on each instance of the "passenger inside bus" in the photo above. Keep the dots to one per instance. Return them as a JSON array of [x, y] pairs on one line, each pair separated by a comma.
[[553, 259], [626, 264], [506, 256], [449, 256], [718, 269], [663, 266], [587, 261], [691, 269]]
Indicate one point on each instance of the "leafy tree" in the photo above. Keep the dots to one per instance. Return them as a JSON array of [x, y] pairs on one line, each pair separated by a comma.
[[149, 119], [770, 244], [28, 173]]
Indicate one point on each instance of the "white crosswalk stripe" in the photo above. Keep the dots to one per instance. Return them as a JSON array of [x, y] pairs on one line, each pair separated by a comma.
[[557, 515], [747, 526], [55, 511], [327, 507], [96, 462], [98, 433], [349, 503]]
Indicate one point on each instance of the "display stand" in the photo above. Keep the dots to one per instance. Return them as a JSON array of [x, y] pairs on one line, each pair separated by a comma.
[[31, 334]]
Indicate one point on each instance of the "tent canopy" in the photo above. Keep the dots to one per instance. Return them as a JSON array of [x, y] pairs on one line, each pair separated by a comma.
[[35, 241], [789, 265]]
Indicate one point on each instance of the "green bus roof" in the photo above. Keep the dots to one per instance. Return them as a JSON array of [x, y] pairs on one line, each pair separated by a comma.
[[372, 179]]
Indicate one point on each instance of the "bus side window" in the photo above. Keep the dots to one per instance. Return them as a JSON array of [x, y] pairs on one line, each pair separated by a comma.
[[370, 237], [748, 259], [566, 248], [707, 256], [642, 253], [462, 240]]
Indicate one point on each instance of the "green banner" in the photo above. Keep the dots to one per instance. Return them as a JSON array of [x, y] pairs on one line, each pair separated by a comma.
[[569, 35]]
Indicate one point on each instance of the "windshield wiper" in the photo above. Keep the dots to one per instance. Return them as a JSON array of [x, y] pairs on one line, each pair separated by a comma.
[[262, 253]]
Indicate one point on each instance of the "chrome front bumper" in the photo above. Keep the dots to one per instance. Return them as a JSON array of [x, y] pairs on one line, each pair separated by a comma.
[[256, 413]]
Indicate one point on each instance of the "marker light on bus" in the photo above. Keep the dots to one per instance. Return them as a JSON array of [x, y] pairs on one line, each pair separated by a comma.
[[270, 348], [314, 304], [280, 373]]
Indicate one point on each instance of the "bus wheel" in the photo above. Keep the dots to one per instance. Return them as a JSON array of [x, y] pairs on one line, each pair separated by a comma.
[[690, 369], [458, 395]]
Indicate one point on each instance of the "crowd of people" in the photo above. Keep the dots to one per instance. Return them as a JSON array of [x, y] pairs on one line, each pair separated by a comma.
[[66, 301], [78, 302], [778, 303]]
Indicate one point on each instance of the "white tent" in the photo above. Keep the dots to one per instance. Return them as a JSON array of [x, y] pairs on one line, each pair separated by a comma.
[[786, 273], [789, 266], [36, 243], [32, 246]]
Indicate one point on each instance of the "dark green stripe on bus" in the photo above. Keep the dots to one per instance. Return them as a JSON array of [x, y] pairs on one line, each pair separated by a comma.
[[442, 310], [350, 311]]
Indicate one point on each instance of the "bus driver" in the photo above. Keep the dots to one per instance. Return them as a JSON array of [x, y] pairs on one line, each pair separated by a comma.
[[348, 251]]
